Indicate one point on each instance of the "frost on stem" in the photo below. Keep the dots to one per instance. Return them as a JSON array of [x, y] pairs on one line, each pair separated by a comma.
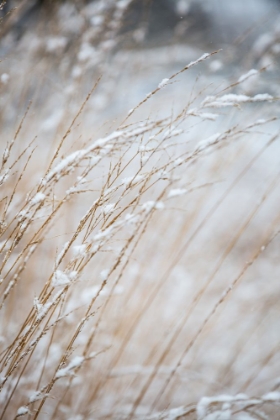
[[4, 177], [206, 408], [42, 309], [36, 396], [202, 408], [60, 278], [68, 370], [109, 208], [22, 411], [132, 180], [79, 250], [208, 142], [105, 274], [163, 83], [232, 99], [131, 218], [205, 115], [272, 396], [203, 57], [38, 198], [245, 76], [103, 234], [67, 164], [62, 253], [150, 205]]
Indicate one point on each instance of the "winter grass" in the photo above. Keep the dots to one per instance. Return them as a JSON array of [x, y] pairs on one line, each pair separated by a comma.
[[139, 268], [88, 256]]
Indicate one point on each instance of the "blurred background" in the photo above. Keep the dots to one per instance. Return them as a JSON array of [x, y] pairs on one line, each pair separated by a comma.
[[148, 22], [49, 46]]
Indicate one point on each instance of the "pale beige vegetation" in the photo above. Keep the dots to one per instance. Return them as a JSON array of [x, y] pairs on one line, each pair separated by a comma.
[[139, 269]]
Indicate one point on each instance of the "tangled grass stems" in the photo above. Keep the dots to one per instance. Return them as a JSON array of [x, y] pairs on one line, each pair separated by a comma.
[[127, 179]]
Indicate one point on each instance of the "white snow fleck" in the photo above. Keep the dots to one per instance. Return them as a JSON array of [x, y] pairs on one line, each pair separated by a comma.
[[79, 250], [131, 218], [178, 162], [62, 252], [145, 149], [132, 180], [4, 78], [102, 234], [109, 208], [262, 97], [56, 44], [219, 415], [86, 52], [2, 379], [23, 214], [163, 83], [4, 176], [72, 190], [91, 293], [42, 309], [182, 7], [176, 191], [206, 115], [164, 175], [176, 132], [203, 405], [66, 163], [272, 396], [209, 116], [176, 413], [67, 371], [150, 205], [38, 198], [122, 4], [232, 99], [72, 160], [73, 275], [36, 396], [105, 273], [216, 65], [225, 100], [22, 411], [97, 20], [94, 160], [202, 58], [245, 76], [208, 142], [60, 278], [77, 71]]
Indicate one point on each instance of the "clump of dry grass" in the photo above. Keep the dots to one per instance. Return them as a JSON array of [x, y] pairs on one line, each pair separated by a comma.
[[137, 268]]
